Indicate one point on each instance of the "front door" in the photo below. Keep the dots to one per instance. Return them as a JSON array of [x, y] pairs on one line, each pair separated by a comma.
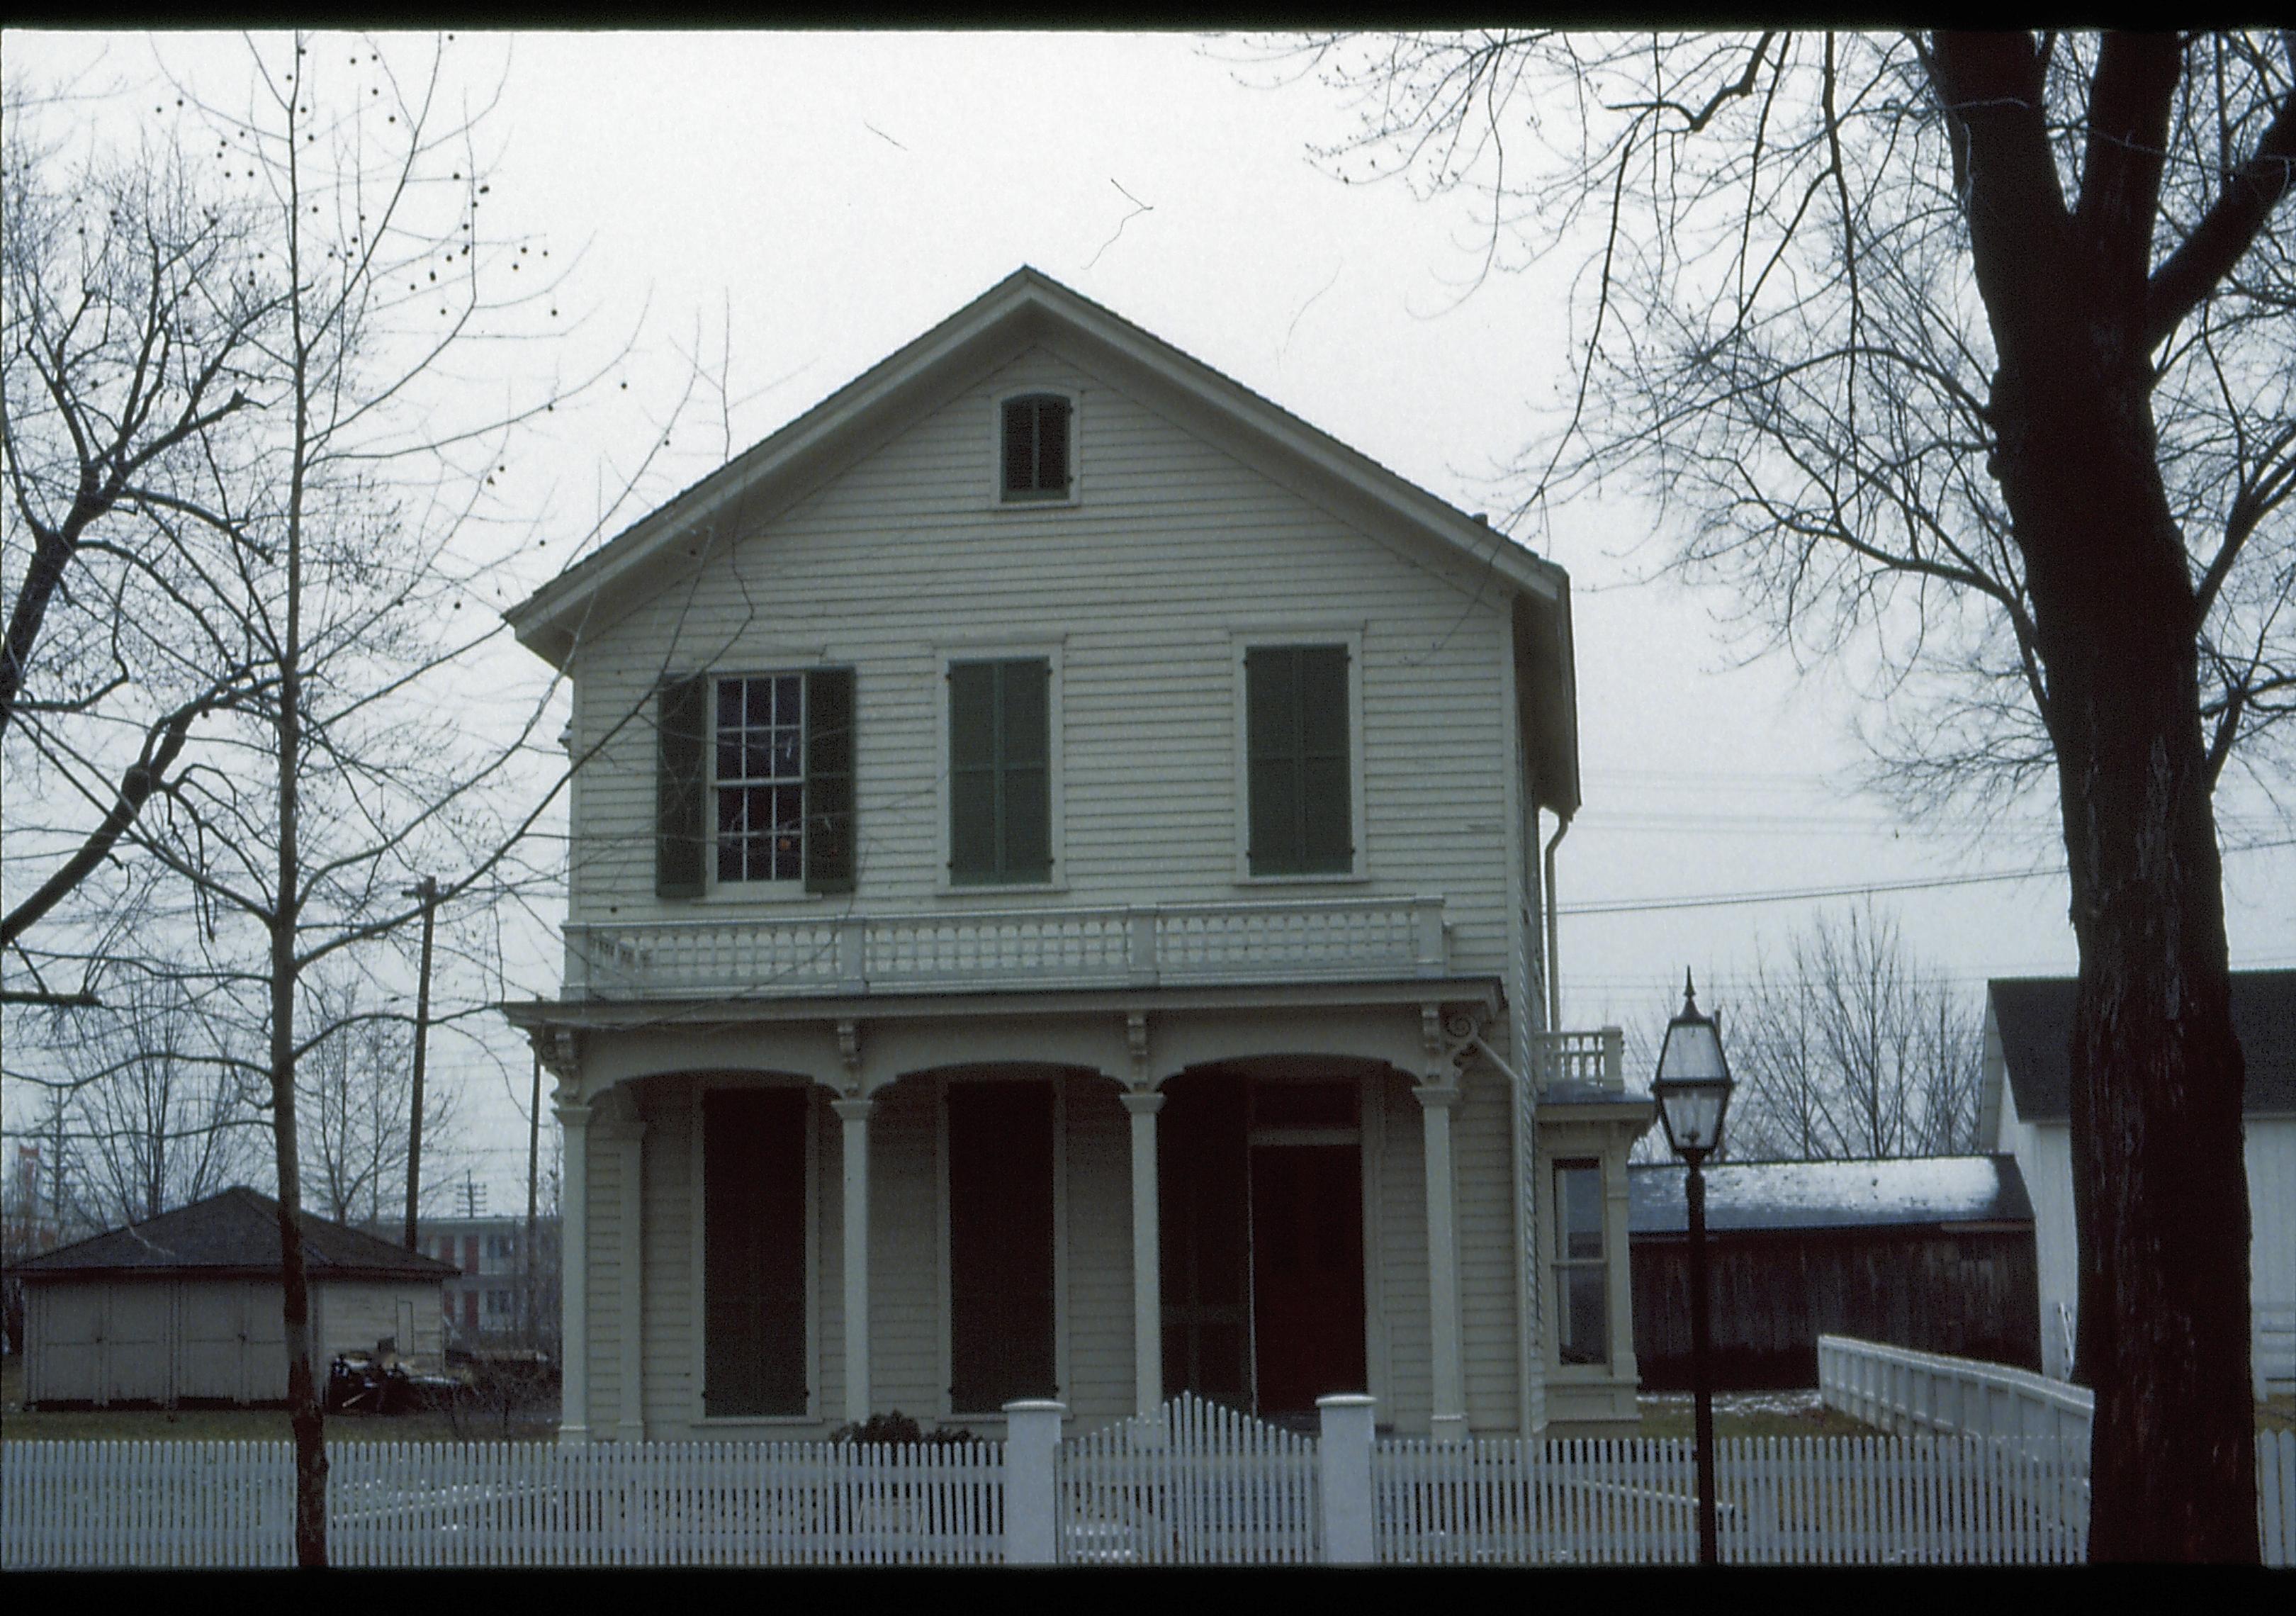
[[1307, 1263]]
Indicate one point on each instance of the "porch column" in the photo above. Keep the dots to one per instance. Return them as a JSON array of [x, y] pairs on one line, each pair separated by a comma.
[[1449, 1421], [1147, 1258], [625, 1130], [855, 1115], [574, 1278]]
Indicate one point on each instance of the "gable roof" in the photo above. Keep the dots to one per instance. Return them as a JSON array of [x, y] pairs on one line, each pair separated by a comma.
[[1746, 1196], [1029, 308], [2033, 1016], [234, 1233]]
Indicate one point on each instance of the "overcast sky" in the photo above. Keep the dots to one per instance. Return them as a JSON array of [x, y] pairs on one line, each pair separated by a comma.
[[806, 204]]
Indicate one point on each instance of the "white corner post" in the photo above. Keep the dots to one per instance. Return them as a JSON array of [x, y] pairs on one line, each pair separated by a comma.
[[574, 1277], [1147, 1259], [855, 1115], [1344, 1459], [1032, 1442], [1448, 1423]]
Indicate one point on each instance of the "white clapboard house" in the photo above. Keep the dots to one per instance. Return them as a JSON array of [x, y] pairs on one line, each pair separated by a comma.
[[1055, 913], [2026, 1110]]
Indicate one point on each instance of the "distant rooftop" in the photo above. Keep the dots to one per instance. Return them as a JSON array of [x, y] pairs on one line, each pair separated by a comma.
[[2035, 1017], [1751, 1195], [235, 1233]]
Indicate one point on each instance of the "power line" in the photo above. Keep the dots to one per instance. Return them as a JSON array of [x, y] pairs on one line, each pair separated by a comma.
[[1792, 895]]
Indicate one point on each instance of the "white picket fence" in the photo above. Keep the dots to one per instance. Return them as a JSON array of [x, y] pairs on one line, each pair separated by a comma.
[[1779, 1501], [1202, 1485], [1199, 1484], [505, 1504]]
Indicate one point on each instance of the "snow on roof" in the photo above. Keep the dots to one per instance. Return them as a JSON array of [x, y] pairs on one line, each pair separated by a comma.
[[1831, 1194]]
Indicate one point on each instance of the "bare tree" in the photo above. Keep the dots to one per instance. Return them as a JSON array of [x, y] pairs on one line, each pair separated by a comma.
[[126, 333], [163, 1117], [357, 1092], [1852, 1050], [1967, 357]]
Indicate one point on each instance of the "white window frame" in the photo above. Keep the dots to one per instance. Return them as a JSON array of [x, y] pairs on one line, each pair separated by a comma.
[[1590, 1145], [697, 1213], [1273, 636], [947, 1412], [960, 650], [791, 890], [1003, 396]]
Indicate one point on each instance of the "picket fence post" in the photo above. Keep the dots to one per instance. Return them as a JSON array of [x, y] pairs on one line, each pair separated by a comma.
[[1032, 1443], [1344, 1456]]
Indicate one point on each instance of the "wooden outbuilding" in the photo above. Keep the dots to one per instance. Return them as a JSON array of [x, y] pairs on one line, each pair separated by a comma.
[[1933, 1253], [186, 1309]]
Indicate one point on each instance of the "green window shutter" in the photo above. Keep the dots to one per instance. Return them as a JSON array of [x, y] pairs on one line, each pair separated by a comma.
[[1300, 816], [1025, 819], [999, 772], [973, 772], [829, 818], [681, 787]]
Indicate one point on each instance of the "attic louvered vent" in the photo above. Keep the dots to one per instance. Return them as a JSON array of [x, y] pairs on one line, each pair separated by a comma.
[[1036, 447]]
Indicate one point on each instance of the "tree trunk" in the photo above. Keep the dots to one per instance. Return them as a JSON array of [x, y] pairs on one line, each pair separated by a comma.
[[2160, 1188]]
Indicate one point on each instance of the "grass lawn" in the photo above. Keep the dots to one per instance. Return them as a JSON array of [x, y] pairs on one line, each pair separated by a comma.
[[530, 1424], [1750, 1414]]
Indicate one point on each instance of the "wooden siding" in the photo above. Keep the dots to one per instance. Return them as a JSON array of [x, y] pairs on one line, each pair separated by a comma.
[[1967, 1293], [1173, 546]]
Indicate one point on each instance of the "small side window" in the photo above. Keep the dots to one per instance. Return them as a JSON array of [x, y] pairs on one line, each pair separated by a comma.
[[1036, 455]]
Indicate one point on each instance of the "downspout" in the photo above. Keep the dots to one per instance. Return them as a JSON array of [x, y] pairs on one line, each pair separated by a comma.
[[1554, 952]]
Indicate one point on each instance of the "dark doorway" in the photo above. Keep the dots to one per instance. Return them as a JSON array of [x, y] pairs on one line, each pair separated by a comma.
[[1261, 1207], [1000, 1244]]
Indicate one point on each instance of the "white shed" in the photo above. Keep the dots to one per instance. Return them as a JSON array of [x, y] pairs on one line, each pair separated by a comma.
[[2026, 1110], [186, 1308]]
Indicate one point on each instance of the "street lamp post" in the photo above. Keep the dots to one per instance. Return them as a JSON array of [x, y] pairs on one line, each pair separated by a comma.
[[1693, 1090]]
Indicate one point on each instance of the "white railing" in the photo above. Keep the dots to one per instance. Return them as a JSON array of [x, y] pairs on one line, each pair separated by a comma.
[[1129, 946], [1596, 1057], [1914, 1393], [1232, 1491]]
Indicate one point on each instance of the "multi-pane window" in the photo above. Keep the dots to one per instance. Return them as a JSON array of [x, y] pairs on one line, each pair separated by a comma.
[[1036, 447], [761, 778], [754, 781], [1302, 815], [999, 772], [1581, 1270]]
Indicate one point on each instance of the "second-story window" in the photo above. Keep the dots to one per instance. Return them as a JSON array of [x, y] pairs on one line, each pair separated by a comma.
[[760, 735], [1298, 764], [1000, 773], [756, 781], [1036, 447]]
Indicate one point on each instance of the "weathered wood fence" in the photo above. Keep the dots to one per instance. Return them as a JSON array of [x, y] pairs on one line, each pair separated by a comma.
[[1202, 1485]]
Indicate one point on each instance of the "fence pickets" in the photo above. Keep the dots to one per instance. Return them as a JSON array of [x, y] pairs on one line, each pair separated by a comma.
[[1201, 1484]]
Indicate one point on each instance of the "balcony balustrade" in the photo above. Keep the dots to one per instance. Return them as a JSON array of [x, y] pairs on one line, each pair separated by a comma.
[[1158, 944]]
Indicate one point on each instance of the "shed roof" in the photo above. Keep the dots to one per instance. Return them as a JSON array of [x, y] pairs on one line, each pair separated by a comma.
[[1752, 1195], [2034, 1015], [235, 1233]]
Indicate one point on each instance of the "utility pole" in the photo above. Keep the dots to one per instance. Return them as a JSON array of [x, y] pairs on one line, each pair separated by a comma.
[[426, 890], [533, 1160]]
